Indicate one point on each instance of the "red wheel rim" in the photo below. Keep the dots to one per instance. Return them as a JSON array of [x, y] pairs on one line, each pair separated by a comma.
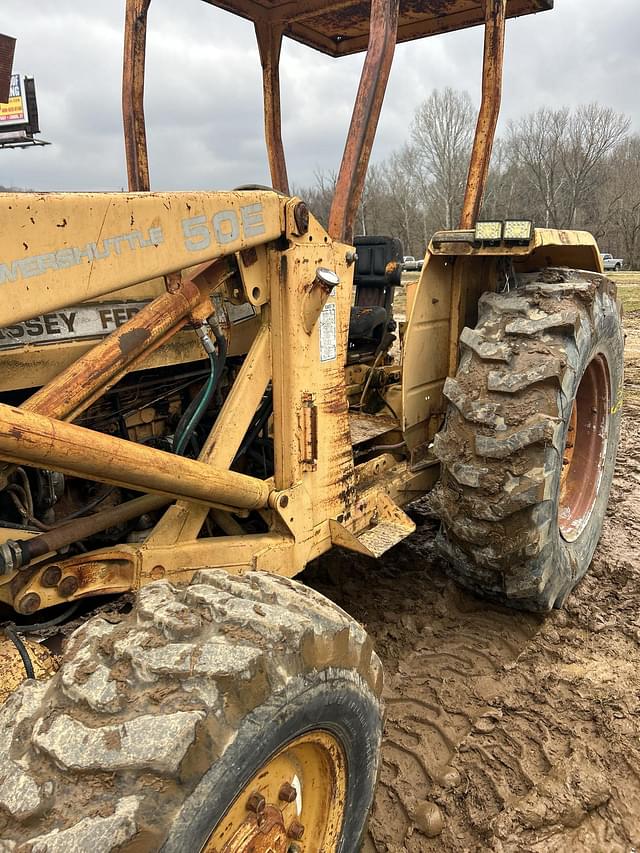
[[585, 449]]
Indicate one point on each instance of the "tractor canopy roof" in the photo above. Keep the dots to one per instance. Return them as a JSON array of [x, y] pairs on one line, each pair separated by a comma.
[[341, 27]]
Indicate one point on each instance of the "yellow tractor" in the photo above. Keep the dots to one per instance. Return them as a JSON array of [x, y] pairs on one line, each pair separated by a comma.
[[194, 405]]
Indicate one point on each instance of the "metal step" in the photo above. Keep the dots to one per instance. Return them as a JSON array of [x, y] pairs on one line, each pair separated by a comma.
[[364, 427], [392, 526]]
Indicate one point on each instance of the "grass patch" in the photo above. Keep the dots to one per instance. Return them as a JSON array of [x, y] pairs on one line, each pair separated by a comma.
[[630, 297]]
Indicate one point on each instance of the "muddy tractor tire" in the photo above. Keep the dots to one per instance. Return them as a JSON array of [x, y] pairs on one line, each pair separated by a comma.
[[235, 713], [529, 443]]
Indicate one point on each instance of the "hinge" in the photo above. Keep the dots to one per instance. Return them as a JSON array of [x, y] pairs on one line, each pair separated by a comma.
[[309, 433]]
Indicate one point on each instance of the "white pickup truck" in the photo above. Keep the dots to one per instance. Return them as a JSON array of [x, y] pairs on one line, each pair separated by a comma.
[[611, 263], [409, 263]]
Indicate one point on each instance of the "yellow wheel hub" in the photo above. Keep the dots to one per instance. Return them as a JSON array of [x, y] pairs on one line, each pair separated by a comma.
[[293, 804]]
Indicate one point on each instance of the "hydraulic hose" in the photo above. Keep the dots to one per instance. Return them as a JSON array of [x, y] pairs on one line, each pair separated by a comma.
[[22, 650], [50, 623], [263, 414], [196, 409], [198, 406]]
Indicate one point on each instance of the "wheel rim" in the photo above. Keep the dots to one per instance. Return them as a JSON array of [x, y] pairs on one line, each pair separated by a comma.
[[293, 804], [585, 449]]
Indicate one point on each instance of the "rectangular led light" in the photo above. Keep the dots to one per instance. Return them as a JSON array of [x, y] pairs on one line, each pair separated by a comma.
[[518, 230], [488, 232]]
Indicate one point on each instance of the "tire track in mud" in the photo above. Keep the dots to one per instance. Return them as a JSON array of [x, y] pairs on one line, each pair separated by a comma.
[[443, 653], [505, 731]]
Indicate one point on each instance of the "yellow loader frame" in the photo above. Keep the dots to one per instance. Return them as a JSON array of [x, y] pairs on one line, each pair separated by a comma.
[[63, 249]]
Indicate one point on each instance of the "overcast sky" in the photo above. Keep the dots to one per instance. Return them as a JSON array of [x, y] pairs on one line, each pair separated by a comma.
[[204, 96]]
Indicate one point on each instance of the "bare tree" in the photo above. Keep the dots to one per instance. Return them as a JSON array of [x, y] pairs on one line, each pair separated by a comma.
[[563, 168], [621, 218], [535, 145], [503, 195], [592, 132], [442, 132], [401, 191], [562, 154], [371, 211], [320, 195]]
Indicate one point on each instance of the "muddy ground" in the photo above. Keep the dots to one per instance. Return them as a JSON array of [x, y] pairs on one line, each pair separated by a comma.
[[507, 731]]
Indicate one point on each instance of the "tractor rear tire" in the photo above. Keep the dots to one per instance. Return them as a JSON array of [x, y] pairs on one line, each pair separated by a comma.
[[233, 711], [529, 443]]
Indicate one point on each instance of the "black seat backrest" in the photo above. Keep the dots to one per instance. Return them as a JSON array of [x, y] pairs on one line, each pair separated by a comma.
[[378, 270]]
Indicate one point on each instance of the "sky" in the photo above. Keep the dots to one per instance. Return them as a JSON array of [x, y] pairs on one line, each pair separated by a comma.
[[203, 100]]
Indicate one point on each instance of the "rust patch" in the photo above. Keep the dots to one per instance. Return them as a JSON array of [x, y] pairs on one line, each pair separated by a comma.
[[249, 257], [336, 401], [131, 341]]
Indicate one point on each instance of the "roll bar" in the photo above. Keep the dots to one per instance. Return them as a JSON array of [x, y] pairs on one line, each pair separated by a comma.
[[309, 21]]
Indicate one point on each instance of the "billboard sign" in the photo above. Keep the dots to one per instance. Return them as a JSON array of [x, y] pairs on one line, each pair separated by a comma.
[[14, 111]]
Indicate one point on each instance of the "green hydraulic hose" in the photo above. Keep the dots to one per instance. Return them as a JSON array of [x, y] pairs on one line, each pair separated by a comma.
[[203, 399]]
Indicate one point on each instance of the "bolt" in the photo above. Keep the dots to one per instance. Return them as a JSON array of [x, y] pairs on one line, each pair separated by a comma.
[[51, 576], [301, 217], [68, 586], [256, 803], [287, 793], [351, 257], [295, 831], [29, 604], [173, 282], [293, 848]]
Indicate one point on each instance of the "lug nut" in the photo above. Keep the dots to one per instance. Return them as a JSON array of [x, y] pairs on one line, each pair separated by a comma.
[[295, 831], [256, 803], [68, 586], [287, 793], [29, 604], [51, 576]]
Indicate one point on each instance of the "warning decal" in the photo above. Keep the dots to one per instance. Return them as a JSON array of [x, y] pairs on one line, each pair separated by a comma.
[[328, 335]]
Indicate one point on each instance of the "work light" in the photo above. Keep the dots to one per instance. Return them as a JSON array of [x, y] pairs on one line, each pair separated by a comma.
[[517, 231], [488, 232]]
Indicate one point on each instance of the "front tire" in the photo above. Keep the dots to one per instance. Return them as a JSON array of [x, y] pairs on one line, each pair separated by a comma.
[[180, 727], [530, 439]]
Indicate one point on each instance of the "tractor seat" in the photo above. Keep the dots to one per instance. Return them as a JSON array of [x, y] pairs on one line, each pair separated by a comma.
[[367, 325]]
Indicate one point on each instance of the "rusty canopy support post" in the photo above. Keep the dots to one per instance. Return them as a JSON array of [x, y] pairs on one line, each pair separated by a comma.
[[364, 121], [489, 110], [135, 135], [269, 37]]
